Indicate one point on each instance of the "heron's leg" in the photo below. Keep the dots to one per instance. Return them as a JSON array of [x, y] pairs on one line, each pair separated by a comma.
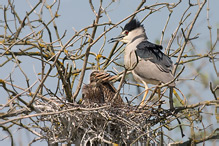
[[159, 95], [145, 94], [171, 98]]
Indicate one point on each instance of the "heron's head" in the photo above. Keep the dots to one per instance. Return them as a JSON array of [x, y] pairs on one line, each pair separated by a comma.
[[99, 76], [131, 30], [93, 76]]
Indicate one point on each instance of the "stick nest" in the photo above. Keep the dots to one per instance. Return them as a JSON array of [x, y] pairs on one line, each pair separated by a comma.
[[96, 123]]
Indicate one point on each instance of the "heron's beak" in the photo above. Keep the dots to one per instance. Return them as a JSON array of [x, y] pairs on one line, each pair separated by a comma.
[[119, 38]]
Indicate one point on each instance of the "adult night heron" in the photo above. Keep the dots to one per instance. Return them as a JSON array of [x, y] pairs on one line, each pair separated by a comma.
[[145, 60], [100, 90]]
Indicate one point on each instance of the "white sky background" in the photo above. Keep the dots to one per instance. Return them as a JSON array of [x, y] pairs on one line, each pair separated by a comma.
[[77, 15]]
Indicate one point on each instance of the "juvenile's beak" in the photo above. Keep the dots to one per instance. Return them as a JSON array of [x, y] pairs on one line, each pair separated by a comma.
[[119, 38]]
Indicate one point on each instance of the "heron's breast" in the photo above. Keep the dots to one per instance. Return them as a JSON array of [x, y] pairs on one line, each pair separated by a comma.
[[130, 58]]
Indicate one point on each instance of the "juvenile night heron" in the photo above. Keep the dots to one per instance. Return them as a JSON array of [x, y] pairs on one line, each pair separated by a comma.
[[146, 61], [100, 90]]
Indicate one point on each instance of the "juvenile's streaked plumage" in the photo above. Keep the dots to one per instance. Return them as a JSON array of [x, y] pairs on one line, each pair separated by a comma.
[[100, 90]]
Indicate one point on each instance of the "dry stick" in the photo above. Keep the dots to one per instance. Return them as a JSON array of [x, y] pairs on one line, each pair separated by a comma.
[[23, 22], [120, 85], [13, 11], [187, 37], [87, 55], [214, 90], [41, 51], [52, 113], [164, 29], [19, 41], [55, 60], [152, 11], [213, 135], [52, 66], [15, 113], [6, 24], [152, 131], [106, 64], [18, 95], [182, 50], [27, 128], [66, 82], [14, 44], [6, 129], [211, 43], [139, 6], [173, 36], [113, 51], [92, 8], [112, 60]]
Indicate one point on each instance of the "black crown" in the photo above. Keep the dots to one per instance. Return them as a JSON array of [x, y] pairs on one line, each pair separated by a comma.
[[132, 25]]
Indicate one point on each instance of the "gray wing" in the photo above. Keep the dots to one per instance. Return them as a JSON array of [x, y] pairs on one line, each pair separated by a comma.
[[150, 51]]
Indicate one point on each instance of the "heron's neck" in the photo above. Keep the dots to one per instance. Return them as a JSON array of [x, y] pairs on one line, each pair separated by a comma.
[[130, 48], [139, 37], [135, 41]]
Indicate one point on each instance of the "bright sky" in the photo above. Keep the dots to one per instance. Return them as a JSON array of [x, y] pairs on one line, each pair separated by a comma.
[[75, 15]]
